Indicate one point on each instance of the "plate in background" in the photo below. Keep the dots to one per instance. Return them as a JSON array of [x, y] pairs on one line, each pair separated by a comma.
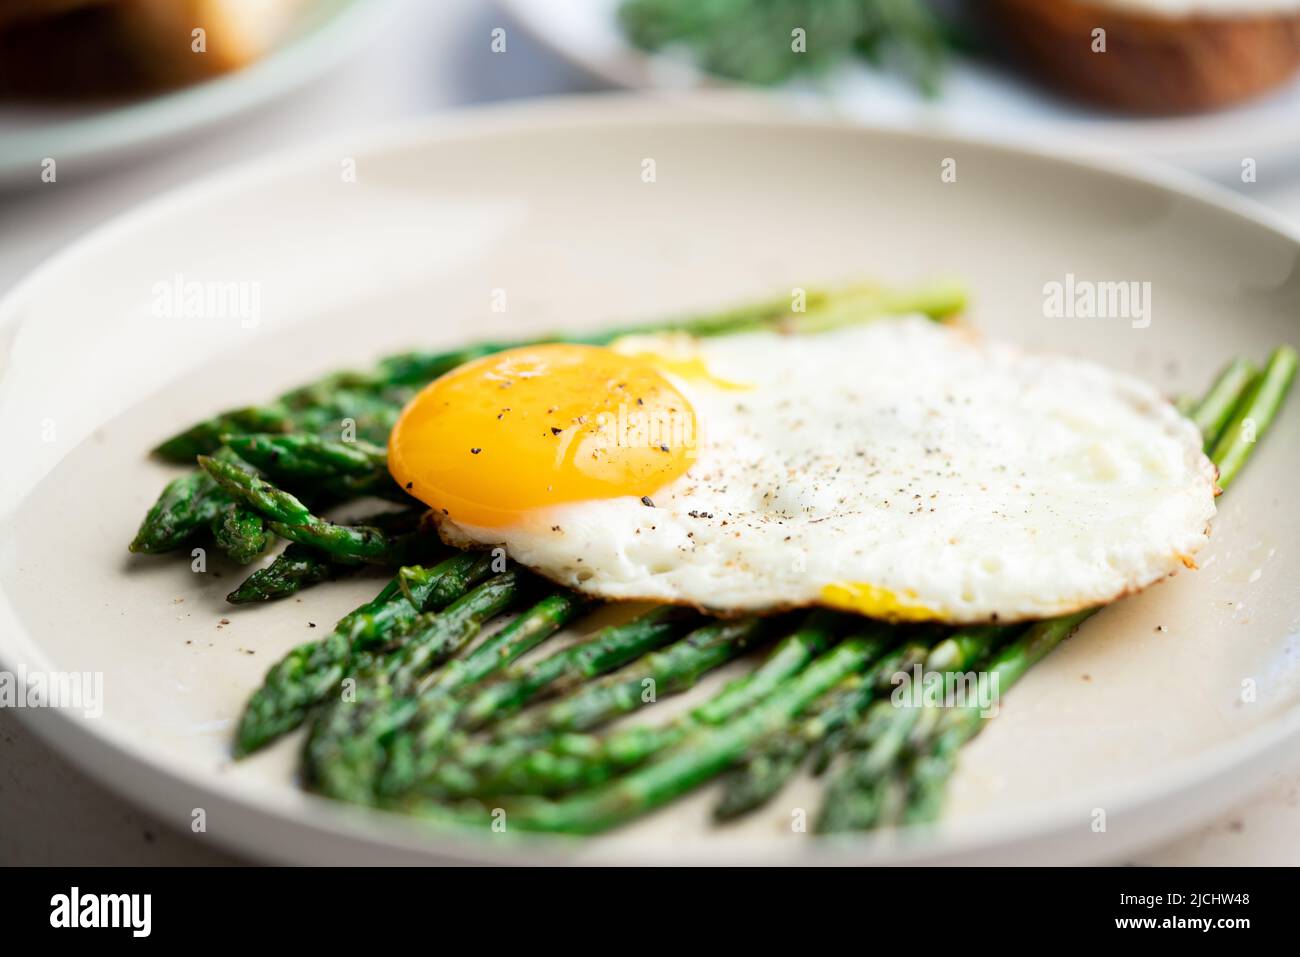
[[81, 137], [977, 98], [1141, 714]]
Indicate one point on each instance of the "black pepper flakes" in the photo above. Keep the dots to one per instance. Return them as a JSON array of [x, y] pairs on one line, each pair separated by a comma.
[[645, 500]]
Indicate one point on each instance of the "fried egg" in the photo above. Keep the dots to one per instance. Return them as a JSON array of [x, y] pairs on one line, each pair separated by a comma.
[[899, 468]]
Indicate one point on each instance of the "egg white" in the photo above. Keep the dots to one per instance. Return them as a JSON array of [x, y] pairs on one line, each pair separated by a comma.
[[968, 480]]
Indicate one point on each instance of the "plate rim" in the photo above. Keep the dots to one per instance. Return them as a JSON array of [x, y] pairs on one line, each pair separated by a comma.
[[143, 777], [134, 126]]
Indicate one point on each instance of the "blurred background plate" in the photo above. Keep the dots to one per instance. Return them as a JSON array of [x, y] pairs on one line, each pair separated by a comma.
[[82, 136], [1140, 714], [977, 97]]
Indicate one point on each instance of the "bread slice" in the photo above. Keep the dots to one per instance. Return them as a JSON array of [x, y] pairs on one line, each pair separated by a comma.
[[1162, 56], [235, 33], [25, 11], [84, 49], [75, 55]]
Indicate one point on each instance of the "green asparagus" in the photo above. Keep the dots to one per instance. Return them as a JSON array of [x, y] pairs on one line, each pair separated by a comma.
[[305, 456], [240, 532], [442, 694], [290, 518], [416, 756], [857, 797], [188, 503], [309, 673], [672, 669], [345, 752], [1253, 414], [1211, 413], [772, 764], [301, 566], [669, 670], [775, 761], [571, 760], [294, 569], [699, 757], [930, 773]]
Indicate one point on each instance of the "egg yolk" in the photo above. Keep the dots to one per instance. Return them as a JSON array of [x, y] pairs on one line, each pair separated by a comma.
[[537, 426], [876, 602]]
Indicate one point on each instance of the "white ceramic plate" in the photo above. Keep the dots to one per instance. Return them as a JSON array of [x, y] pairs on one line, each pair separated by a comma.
[[977, 98], [1141, 714], [80, 137]]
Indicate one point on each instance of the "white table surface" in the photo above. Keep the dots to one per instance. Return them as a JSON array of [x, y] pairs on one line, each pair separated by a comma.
[[435, 55]]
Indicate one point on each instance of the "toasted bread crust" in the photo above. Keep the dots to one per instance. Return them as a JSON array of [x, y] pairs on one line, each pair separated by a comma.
[[1152, 63]]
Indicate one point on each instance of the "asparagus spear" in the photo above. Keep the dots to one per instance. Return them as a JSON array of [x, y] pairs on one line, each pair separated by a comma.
[[295, 568], [415, 755], [566, 669], [369, 404], [370, 400], [929, 774], [857, 795], [572, 761], [291, 519], [359, 414], [306, 456], [1259, 399], [699, 757], [240, 532], [345, 752], [788, 658], [205, 437], [301, 566], [770, 765], [956, 652], [441, 694], [672, 669], [195, 502], [309, 673], [329, 469], [187, 504], [776, 761], [432, 637], [1211, 413], [1253, 414], [523, 634]]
